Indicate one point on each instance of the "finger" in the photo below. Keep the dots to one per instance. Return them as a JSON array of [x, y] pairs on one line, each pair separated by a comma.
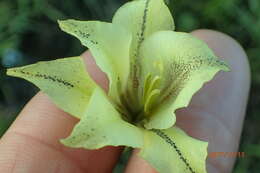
[[216, 112], [32, 142], [99, 77], [138, 165]]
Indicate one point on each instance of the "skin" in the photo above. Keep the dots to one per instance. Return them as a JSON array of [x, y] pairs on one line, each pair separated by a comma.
[[215, 114]]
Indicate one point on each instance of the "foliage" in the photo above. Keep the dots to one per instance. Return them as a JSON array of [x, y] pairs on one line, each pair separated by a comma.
[[29, 33]]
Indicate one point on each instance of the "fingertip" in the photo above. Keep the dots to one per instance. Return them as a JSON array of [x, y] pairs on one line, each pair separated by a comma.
[[234, 85], [228, 49], [217, 110]]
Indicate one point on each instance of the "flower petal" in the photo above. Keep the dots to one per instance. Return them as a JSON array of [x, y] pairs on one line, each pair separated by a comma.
[[142, 18], [64, 80], [183, 64], [109, 45], [172, 151], [102, 125]]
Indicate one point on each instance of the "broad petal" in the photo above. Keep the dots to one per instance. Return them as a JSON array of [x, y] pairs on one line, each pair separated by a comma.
[[65, 81], [183, 64], [109, 45], [172, 151], [102, 125], [142, 18]]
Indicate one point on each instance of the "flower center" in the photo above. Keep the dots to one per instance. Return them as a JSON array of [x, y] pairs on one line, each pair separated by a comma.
[[137, 105]]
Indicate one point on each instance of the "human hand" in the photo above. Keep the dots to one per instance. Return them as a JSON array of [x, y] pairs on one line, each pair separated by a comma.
[[215, 114]]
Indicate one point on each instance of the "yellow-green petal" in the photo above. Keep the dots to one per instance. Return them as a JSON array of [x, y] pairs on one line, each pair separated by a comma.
[[109, 45], [65, 81], [102, 125], [183, 64], [173, 151], [142, 18]]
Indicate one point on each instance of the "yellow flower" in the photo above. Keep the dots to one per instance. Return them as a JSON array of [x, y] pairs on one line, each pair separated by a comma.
[[152, 71]]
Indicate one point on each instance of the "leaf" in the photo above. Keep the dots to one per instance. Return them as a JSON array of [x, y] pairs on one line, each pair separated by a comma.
[[102, 125], [172, 151], [183, 64], [66, 81], [142, 18], [109, 45]]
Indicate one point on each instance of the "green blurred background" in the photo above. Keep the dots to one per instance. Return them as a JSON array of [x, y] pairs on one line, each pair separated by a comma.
[[29, 33]]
